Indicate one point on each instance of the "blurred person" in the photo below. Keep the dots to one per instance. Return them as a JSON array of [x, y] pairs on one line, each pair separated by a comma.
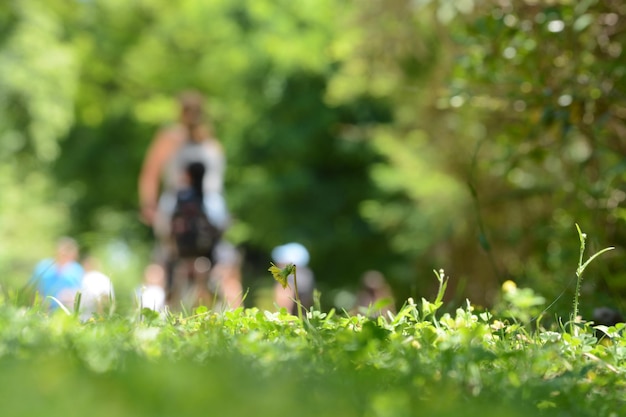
[[374, 289], [151, 293], [59, 277], [195, 241], [298, 255], [225, 279], [96, 290], [166, 168]]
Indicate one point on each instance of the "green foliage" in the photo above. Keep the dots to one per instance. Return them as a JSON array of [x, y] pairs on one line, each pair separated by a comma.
[[304, 163], [429, 308], [247, 360], [38, 78], [521, 305], [398, 136], [551, 143]]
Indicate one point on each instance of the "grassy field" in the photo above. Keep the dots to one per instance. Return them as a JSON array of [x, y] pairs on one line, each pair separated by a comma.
[[422, 361], [249, 362]]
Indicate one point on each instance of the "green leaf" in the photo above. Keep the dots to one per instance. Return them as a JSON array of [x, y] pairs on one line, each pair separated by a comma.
[[201, 309], [77, 300], [582, 268], [149, 314], [382, 303]]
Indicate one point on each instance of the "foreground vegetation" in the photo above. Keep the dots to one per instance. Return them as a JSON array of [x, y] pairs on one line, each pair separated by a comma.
[[242, 362]]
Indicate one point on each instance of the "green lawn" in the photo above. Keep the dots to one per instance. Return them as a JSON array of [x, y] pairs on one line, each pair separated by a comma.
[[249, 362]]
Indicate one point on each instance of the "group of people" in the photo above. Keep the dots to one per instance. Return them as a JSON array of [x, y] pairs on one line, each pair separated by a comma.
[[164, 175], [60, 279], [184, 159]]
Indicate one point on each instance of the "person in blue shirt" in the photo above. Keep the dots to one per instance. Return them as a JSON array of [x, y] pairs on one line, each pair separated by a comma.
[[59, 277]]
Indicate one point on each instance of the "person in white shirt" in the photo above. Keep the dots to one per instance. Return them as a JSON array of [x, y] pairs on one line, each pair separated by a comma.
[[96, 290]]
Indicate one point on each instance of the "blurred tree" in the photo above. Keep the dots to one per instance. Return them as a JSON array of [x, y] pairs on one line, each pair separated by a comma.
[[304, 175], [404, 136], [509, 126], [401, 51], [38, 77], [548, 80]]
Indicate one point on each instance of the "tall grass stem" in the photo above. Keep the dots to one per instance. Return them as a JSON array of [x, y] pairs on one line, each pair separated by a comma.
[[295, 285], [579, 276]]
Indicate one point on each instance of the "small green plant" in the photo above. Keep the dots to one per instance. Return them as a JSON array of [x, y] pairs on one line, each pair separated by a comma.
[[281, 275], [429, 308], [579, 275]]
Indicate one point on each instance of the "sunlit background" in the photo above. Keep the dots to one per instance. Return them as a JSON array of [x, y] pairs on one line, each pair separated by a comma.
[[400, 135]]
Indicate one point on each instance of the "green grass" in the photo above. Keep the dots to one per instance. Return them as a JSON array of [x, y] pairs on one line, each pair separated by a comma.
[[249, 362]]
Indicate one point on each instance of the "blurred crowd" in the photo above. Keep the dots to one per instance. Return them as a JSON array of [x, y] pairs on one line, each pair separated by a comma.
[[63, 281], [180, 190], [67, 282]]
